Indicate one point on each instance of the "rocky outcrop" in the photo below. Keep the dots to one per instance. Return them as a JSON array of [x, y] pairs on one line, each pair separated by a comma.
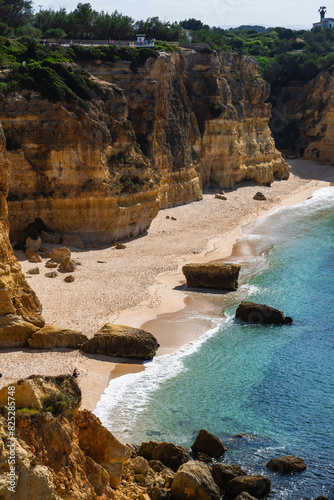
[[70, 455], [303, 118], [261, 313], [224, 473], [209, 444], [257, 486], [169, 454], [193, 481], [119, 340], [163, 131], [218, 276], [287, 464], [51, 336], [18, 302]]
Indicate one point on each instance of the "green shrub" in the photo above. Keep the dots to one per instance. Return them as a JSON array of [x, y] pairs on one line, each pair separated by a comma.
[[56, 403]]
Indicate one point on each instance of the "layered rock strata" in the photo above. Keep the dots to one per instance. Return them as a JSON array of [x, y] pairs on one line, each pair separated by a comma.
[[167, 129], [303, 118], [20, 309]]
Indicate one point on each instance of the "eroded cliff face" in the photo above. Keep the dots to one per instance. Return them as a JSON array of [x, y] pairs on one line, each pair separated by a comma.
[[303, 120], [166, 130], [19, 305]]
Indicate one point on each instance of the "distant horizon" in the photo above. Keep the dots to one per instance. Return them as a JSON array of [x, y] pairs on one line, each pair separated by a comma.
[[229, 13]]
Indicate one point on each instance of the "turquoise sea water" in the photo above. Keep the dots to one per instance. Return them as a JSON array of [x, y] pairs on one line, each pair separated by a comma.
[[274, 383]]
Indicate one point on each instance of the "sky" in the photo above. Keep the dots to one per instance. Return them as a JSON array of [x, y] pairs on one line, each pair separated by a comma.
[[284, 13]]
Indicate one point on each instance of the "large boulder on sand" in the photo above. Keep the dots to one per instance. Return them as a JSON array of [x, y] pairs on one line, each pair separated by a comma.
[[286, 464], [119, 340], [15, 331], [257, 486], [67, 265], [193, 481], [60, 253], [261, 313], [169, 454], [217, 276], [209, 444], [51, 336]]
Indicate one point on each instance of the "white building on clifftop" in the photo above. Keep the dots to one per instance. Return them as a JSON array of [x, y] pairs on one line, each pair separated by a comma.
[[325, 22]]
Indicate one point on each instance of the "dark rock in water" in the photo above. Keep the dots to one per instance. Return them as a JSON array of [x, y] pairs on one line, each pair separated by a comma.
[[262, 314], [245, 496], [217, 276], [258, 486], [169, 454], [322, 497], [193, 481], [287, 464], [119, 340], [209, 444], [223, 473]]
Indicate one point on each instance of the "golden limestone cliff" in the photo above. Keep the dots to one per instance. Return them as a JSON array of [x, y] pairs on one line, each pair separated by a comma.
[[20, 309], [303, 120], [169, 128]]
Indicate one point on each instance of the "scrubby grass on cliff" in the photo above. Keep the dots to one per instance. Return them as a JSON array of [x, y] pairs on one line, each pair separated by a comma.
[[56, 403], [55, 81]]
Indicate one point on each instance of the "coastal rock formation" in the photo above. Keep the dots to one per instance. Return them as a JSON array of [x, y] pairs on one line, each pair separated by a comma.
[[119, 340], [286, 464], [257, 486], [193, 481], [15, 331], [169, 454], [163, 131], [51, 336], [223, 473], [261, 313], [209, 444], [218, 276], [303, 122], [68, 455], [18, 302]]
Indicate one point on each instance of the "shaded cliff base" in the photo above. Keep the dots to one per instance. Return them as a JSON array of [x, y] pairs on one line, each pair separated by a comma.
[[136, 284]]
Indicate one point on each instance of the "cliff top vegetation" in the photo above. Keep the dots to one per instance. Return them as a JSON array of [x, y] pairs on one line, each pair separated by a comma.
[[283, 55]]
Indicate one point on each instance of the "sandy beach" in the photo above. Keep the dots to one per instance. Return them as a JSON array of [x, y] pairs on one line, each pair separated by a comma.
[[141, 284]]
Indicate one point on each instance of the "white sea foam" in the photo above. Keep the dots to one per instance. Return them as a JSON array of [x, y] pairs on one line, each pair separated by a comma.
[[127, 396]]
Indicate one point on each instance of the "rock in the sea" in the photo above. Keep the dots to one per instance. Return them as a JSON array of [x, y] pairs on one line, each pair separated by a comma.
[[218, 276], [209, 444], [169, 454], [245, 496], [257, 486], [73, 240], [194, 481], [223, 473], [69, 279], [67, 265], [51, 336], [119, 340], [286, 464], [60, 253], [259, 196], [34, 270], [15, 331], [261, 313]]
